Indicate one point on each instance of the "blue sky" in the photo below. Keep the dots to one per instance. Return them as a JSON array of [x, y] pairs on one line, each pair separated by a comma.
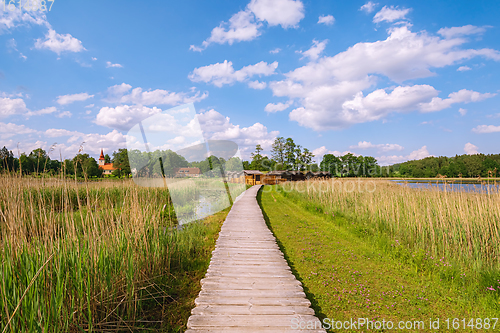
[[397, 80]]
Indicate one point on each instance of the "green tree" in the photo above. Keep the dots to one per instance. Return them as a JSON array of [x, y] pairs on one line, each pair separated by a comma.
[[233, 164], [7, 159], [278, 151], [267, 164], [296, 162], [349, 165], [256, 158], [39, 160], [305, 159], [331, 163], [473, 164], [26, 164], [290, 158], [489, 164], [120, 163], [370, 166], [86, 166]]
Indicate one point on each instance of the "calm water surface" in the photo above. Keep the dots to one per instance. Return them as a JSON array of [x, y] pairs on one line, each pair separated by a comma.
[[466, 186]]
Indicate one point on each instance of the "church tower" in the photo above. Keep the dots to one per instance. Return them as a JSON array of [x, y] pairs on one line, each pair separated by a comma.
[[102, 160]]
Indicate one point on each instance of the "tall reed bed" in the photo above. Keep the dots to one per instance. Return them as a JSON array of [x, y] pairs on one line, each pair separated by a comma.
[[463, 227], [88, 256]]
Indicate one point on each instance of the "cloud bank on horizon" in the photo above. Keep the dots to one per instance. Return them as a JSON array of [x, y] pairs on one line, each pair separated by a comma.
[[355, 77]]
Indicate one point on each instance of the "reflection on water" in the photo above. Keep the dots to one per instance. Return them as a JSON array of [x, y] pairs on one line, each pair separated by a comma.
[[465, 186], [195, 199]]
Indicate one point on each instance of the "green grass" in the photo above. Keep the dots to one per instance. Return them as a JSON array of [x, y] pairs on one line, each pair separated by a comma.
[[348, 273], [97, 257]]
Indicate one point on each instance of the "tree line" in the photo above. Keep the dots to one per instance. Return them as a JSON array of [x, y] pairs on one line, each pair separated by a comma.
[[153, 164], [38, 162], [470, 166], [287, 155]]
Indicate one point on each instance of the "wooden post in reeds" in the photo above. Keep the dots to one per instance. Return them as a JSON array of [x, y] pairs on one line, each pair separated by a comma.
[[166, 187]]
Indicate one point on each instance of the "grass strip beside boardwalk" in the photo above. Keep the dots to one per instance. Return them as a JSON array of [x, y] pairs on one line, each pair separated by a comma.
[[347, 276], [185, 286]]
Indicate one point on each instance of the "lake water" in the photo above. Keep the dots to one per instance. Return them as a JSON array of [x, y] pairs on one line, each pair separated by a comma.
[[466, 186]]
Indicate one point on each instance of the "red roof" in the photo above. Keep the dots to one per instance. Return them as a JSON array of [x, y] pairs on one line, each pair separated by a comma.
[[107, 166], [102, 155]]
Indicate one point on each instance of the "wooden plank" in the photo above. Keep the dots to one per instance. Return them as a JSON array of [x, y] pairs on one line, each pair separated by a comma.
[[249, 286]]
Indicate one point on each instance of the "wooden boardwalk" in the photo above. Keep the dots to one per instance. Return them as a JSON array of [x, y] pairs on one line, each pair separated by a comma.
[[249, 286]]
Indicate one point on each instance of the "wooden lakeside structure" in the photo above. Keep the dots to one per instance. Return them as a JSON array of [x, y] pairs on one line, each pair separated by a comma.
[[256, 177], [249, 286]]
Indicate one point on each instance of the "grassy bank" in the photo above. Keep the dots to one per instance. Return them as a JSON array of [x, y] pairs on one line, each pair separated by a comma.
[[350, 271], [96, 257], [462, 227]]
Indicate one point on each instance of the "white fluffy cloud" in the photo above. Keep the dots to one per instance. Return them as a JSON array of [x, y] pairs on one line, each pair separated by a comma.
[[53, 41], [109, 64], [286, 13], [12, 19], [123, 117], [462, 111], [462, 96], [242, 26], [368, 7], [466, 30], [55, 133], [12, 106], [326, 20], [16, 106], [246, 24], [470, 149], [220, 74], [414, 155], [68, 99], [64, 114], [123, 93], [257, 85], [321, 151], [482, 129], [217, 127], [59, 43], [330, 91], [274, 51], [380, 146], [49, 110], [390, 14], [271, 108], [25, 146], [92, 143], [314, 52], [463, 68], [10, 130]]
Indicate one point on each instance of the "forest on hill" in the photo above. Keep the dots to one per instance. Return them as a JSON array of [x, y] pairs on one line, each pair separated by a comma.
[[469, 166]]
